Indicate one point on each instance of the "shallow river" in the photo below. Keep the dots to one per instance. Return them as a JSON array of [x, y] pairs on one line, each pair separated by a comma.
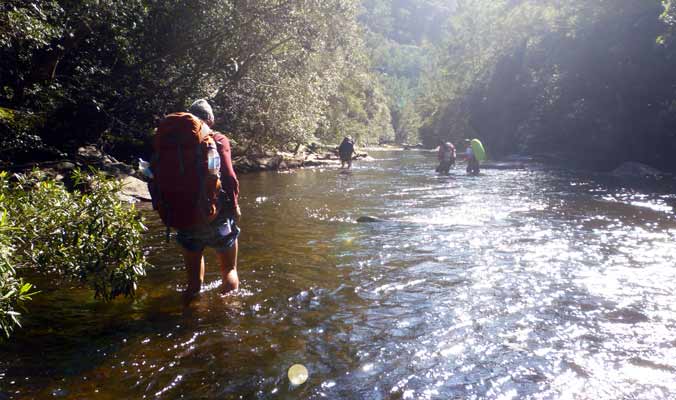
[[524, 284]]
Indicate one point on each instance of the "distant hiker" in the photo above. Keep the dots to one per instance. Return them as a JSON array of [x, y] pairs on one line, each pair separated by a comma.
[[345, 151], [472, 161], [195, 191], [446, 155]]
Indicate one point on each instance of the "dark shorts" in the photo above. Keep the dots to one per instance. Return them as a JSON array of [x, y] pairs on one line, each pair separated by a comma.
[[472, 166], [445, 166], [220, 235]]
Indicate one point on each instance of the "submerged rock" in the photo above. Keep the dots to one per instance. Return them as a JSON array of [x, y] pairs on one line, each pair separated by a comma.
[[637, 170], [368, 219], [503, 165], [519, 158]]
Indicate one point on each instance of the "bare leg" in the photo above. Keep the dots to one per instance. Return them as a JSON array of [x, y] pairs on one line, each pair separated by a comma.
[[228, 261], [194, 266]]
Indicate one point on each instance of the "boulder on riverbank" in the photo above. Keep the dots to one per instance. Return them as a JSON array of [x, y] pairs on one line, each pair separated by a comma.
[[93, 157], [411, 146], [134, 189]]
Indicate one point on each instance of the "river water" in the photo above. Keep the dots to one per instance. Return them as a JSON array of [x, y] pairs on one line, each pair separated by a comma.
[[521, 284]]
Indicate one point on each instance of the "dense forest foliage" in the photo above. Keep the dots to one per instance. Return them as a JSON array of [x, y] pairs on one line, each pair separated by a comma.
[[526, 76], [399, 36], [589, 81], [277, 72]]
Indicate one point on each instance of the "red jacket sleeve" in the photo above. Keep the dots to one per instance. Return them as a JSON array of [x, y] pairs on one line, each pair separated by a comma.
[[229, 181]]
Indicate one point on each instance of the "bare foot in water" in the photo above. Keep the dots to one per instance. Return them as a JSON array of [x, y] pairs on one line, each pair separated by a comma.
[[230, 282], [228, 262]]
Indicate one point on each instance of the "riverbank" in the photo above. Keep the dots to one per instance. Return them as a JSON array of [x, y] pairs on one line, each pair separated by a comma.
[[325, 156], [134, 185]]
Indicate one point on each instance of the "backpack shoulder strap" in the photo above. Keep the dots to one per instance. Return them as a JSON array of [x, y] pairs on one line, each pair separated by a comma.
[[205, 131]]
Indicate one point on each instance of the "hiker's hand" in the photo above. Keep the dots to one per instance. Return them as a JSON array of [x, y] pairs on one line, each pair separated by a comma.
[[238, 214]]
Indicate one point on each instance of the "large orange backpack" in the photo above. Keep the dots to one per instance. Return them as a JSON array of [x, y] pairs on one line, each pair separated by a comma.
[[186, 168]]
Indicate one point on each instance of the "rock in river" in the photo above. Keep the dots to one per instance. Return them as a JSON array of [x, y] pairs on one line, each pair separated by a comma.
[[368, 218]]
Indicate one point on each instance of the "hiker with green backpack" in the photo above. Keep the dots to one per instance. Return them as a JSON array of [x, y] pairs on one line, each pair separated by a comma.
[[195, 191]]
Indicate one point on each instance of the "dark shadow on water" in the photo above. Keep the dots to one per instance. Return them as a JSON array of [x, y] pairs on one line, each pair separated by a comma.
[[57, 342]]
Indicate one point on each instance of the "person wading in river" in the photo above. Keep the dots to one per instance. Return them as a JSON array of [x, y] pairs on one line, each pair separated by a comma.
[[446, 156], [345, 151], [195, 190], [472, 161]]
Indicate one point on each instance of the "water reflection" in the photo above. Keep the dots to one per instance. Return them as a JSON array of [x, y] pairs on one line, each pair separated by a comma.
[[515, 284]]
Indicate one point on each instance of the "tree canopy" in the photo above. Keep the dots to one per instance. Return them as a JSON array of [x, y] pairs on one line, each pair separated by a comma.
[[526, 76], [399, 35], [105, 71], [592, 81]]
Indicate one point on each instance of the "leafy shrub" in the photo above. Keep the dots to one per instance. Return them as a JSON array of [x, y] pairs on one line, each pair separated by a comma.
[[87, 236], [13, 291], [17, 135]]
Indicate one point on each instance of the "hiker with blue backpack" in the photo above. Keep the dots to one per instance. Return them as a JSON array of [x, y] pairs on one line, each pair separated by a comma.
[[195, 190]]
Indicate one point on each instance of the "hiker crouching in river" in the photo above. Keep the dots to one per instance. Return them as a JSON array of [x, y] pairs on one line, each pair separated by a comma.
[[195, 191], [446, 156]]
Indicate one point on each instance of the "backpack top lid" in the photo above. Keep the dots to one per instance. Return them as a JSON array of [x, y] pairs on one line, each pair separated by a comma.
[[183, 128]]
